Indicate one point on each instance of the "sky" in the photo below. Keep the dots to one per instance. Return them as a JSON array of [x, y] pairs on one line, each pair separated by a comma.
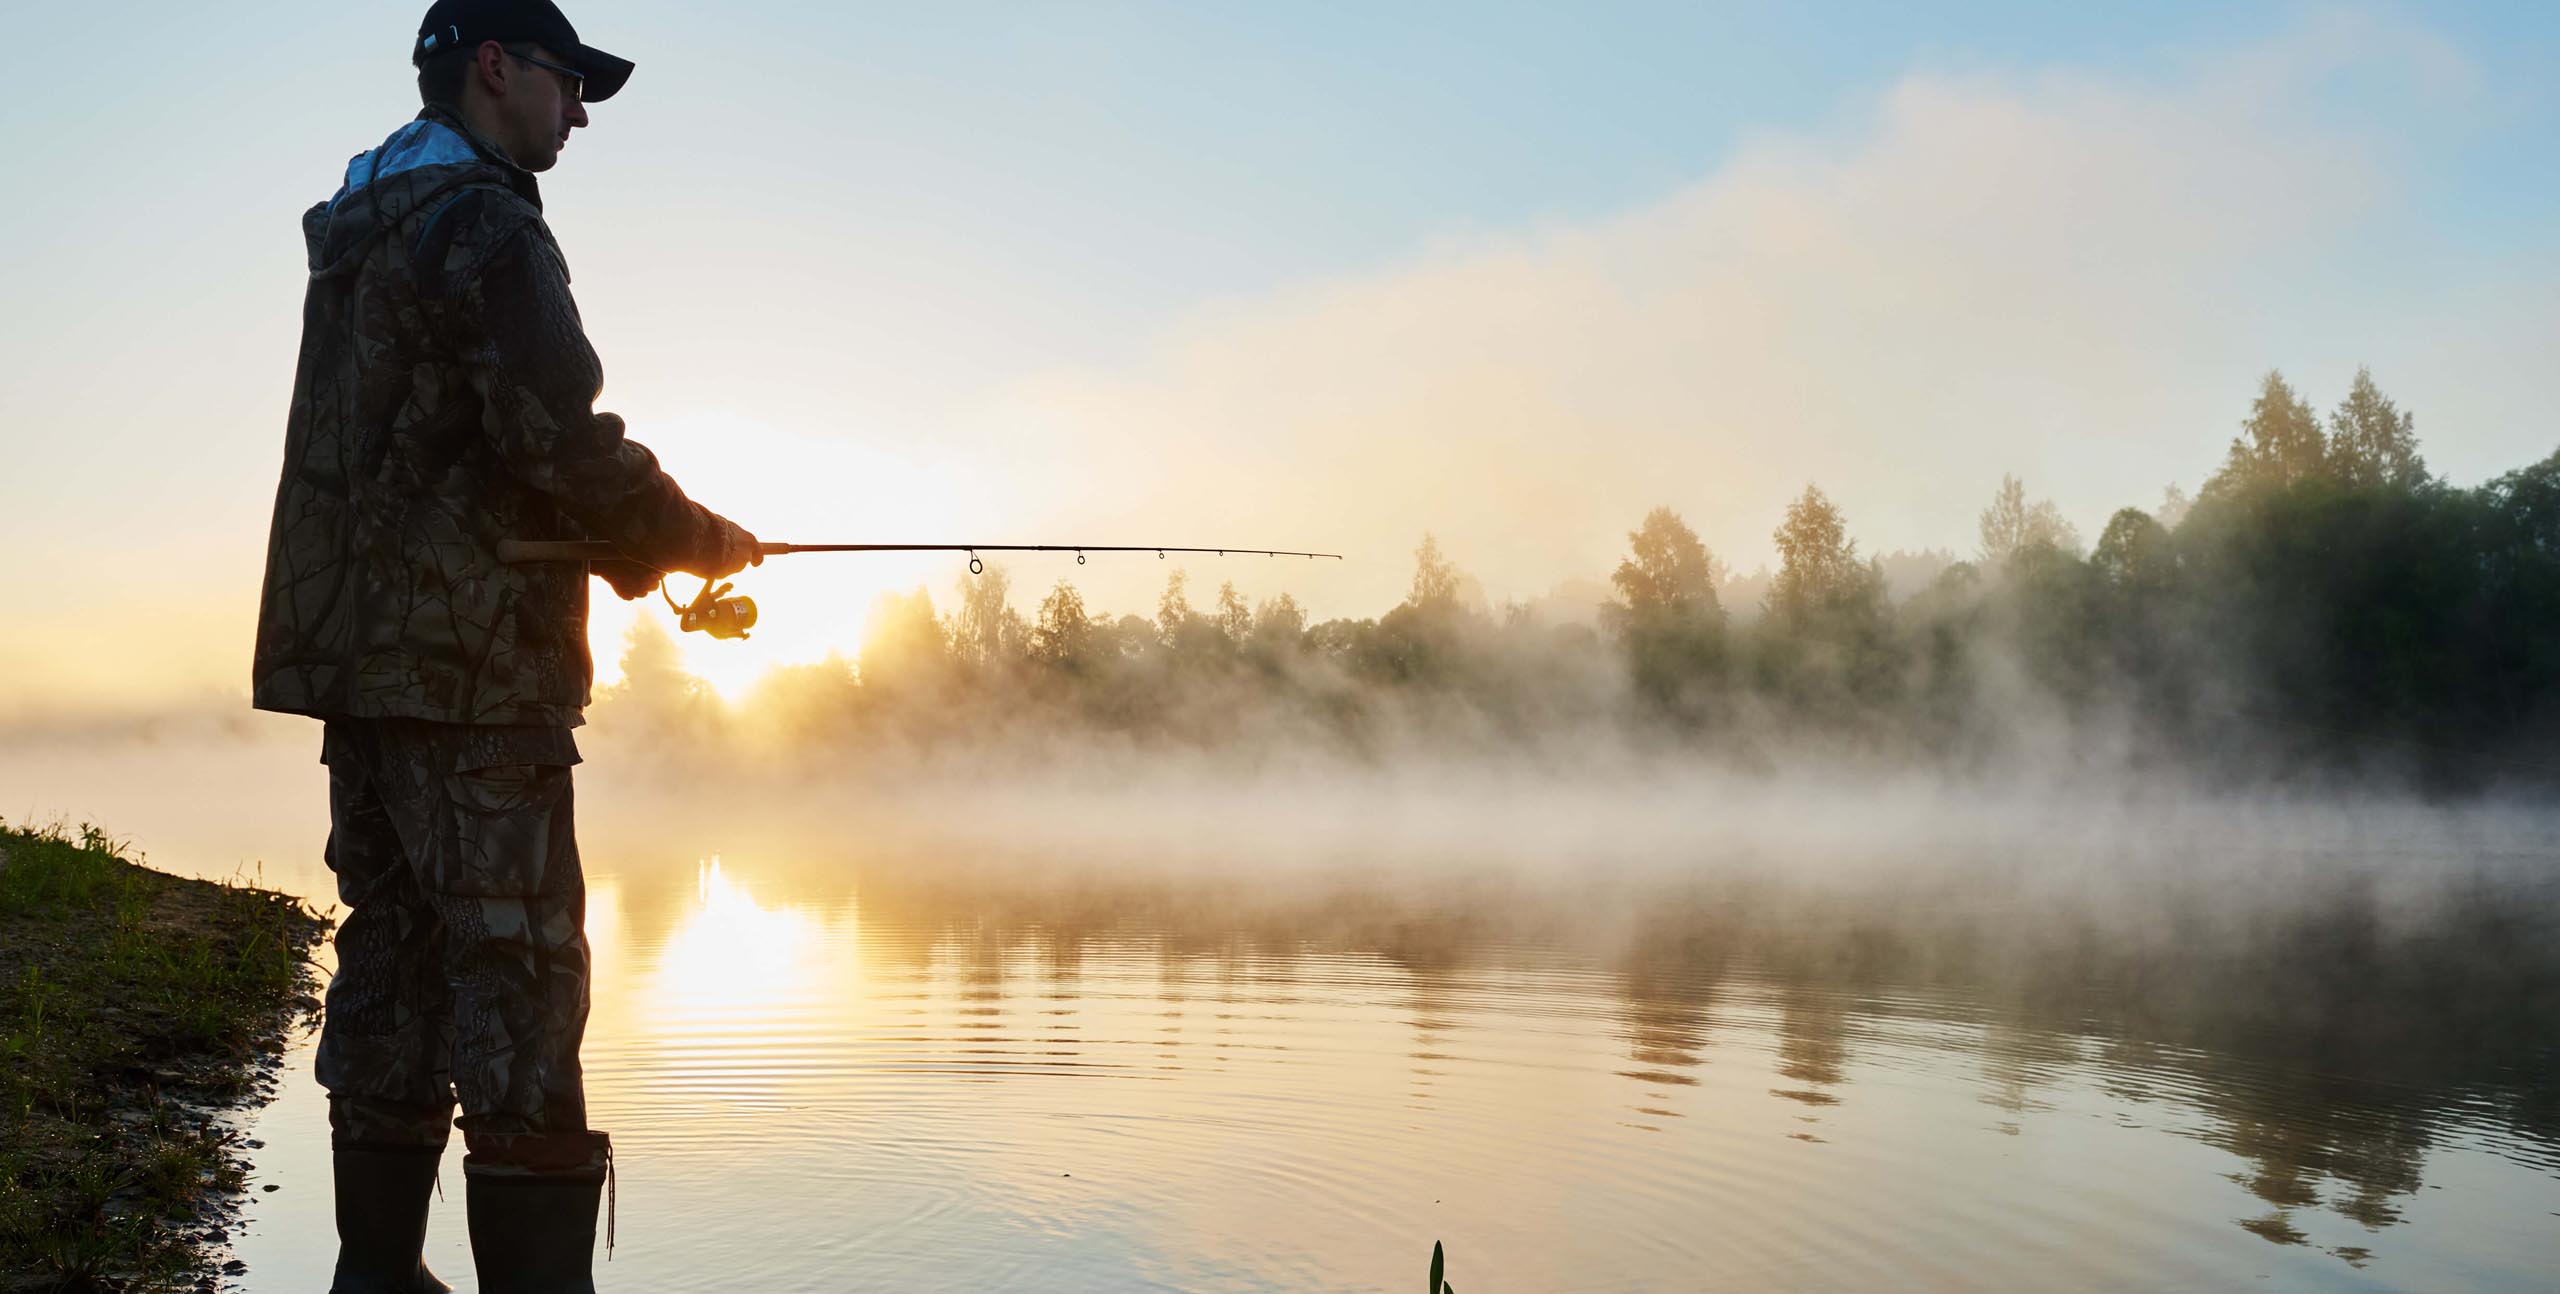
[[1304, 275]]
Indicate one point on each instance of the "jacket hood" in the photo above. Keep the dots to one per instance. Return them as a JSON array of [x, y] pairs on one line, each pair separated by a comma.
[[415, 168]]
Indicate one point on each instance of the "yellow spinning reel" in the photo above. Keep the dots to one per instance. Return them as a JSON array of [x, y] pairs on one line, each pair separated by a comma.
[[713, 611]]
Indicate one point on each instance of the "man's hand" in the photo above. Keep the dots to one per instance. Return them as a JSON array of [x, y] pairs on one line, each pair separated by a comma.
[[738, 551], [629, 579]]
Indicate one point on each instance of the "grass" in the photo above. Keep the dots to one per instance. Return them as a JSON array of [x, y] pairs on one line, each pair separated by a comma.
[[134, 1006]]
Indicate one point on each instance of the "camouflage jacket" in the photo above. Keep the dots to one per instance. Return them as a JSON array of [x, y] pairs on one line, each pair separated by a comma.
[[443, 401]]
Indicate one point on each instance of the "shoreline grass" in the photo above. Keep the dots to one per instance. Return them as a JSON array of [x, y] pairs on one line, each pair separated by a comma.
[[137, 1008]]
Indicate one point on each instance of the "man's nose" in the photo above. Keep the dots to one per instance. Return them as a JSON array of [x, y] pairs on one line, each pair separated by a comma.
[[577, 114]]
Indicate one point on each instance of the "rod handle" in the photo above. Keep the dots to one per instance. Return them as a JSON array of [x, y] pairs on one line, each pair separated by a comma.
[[515, 551]]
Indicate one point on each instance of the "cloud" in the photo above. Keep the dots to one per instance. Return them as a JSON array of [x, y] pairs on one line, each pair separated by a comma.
[[2070, 276]]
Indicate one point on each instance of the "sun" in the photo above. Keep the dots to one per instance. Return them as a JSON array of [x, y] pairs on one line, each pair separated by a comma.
[[793, 488]]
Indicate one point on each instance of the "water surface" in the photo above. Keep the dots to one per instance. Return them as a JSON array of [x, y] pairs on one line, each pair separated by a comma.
[[838, 1065]]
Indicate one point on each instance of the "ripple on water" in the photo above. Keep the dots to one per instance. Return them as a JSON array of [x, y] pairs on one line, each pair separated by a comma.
[[883, 1101]]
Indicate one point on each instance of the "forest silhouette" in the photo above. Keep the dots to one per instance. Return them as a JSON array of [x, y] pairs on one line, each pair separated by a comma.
[[2323, 606]]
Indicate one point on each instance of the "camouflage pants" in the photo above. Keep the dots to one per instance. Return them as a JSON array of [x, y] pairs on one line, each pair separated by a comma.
[[462, 952]]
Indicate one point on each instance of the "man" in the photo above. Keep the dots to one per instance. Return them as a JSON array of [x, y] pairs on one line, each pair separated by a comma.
[[443, 401]]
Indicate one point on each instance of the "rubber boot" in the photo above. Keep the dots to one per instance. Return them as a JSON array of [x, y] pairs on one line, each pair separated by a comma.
[[382, 1219], [533, 1231]]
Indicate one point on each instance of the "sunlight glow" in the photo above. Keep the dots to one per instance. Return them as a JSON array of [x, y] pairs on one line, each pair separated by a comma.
[[790, 487], [732, 956]]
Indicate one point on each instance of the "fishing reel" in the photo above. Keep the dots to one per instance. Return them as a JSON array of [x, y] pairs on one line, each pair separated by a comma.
[[714, 612]]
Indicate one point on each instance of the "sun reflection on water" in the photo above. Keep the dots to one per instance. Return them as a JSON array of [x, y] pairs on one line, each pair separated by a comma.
[[733, 958], [956, 1062]]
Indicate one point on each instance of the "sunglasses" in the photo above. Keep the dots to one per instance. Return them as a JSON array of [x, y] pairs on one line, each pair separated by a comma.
[[572, 81]]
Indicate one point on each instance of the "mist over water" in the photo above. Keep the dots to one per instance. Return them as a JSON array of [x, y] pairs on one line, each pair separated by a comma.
[[1143, 1021]]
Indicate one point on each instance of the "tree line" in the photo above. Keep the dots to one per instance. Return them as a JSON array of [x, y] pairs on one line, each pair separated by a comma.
[[2323, 603]]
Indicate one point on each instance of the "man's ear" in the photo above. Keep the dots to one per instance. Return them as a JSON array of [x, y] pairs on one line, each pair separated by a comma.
[[489, 67]]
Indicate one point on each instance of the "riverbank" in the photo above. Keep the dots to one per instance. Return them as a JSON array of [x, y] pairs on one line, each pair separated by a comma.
[[137, 1010]]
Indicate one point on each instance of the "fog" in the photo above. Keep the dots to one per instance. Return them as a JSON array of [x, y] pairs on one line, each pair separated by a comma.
[[1457, 957], [2324, 615], [1593, 832], [2321, 692], [2359, 923]]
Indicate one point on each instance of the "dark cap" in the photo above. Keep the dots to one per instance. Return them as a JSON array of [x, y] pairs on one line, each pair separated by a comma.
[[463, 24]]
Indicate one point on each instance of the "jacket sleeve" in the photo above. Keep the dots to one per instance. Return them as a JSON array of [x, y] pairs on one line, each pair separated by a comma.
[[517, 334]]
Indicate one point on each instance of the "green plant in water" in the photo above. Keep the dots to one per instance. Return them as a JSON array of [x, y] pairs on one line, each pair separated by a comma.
[[1439, 1286]]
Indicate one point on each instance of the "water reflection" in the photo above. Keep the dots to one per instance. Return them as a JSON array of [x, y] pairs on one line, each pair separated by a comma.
[[837, 1071], [1294, 1049], [730, 956], [834, 1066], [1812, 1042]]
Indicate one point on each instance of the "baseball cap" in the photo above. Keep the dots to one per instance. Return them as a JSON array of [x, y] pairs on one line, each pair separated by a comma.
[[451, 24]]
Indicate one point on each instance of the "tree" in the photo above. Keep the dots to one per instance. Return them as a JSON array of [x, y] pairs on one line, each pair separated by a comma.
[[1666, 617], [903, 643], [1907, 572], [2174, 506], [2372, 441], [1817, 561], [2522, 638], [1825, 645], [1280, 623], [653, 666], [1173, 607], [2133, 552], [986, 632], [1430, 636], [656, 693], [1063, 633], [2011, 526], [1344, 642], [2279, 443], [1435, 577], [1669, 572], [1128, 637], [1187, 634], [1234, 618]]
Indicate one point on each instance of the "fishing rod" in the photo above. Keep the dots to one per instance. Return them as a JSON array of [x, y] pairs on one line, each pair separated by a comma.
[[715, 613]]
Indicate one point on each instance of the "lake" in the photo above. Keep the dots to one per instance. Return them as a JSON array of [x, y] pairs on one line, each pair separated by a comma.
[[1816, 1037]]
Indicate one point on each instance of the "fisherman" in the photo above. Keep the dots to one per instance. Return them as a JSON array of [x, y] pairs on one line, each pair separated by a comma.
[[444, 401]]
